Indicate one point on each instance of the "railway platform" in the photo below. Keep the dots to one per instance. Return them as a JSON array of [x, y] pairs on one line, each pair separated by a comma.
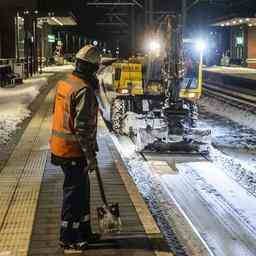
[[31, 197], [237, 79], [240, 72]]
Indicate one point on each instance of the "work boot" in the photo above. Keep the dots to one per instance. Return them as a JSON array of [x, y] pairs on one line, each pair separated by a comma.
[[80, 246], [71, 239], [86, 233], [67, 236]]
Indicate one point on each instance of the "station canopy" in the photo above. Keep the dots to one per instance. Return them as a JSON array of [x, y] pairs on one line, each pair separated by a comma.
[[59, 20], [250, 22]]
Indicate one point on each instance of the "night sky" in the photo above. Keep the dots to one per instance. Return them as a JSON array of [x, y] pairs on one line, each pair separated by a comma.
[[198, 15], [201, 14]]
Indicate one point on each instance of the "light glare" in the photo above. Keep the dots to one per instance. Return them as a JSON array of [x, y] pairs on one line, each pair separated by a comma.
[[154, 46], [200, 45]]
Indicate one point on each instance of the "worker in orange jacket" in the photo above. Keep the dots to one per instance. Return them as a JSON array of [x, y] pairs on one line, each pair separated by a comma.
[[74, 146]]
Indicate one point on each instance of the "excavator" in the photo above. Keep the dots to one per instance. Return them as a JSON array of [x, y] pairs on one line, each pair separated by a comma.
[[154, 99]]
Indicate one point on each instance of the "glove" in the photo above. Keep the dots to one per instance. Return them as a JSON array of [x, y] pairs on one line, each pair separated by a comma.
[[92, 163]]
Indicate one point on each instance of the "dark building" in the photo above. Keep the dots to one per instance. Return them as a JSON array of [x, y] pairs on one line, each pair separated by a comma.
[[27, 33]]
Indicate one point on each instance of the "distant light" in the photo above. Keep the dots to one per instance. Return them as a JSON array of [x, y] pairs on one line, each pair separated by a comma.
[[222, 25], [227, 23], [247, 19], [200, 45], [154, 46], [95, 42], [250, 25], [240, 20], [234, 22]]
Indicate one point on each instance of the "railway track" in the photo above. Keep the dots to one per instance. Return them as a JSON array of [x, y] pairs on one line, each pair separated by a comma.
[[214, 224], [186, 213], [241, 100], [181, 235]]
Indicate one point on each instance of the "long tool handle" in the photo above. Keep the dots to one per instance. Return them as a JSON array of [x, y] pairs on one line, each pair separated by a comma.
[[101, 187]]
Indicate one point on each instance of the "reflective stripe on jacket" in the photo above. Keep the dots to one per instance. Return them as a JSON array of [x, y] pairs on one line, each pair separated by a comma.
[[65, 141]]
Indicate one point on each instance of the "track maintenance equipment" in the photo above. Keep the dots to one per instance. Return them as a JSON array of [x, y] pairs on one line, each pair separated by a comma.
[[154, 100]]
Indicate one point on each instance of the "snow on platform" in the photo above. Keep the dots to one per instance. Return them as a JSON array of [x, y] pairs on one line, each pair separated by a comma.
[[15, 102], [14, 105]]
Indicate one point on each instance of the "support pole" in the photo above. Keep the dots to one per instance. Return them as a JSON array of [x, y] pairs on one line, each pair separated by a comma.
[[151, 14], [133, 30], [184, 16], [146, 15], [17, 37]]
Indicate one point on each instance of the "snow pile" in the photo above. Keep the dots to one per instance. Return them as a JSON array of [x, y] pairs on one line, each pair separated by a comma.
[[235, 114], [14, 103]]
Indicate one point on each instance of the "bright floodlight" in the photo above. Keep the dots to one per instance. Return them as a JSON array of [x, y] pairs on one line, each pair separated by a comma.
[[154, 46], [95, 43], [200, 45]]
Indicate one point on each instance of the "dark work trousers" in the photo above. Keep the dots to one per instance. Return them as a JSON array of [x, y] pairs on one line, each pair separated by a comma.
[[75, 215]]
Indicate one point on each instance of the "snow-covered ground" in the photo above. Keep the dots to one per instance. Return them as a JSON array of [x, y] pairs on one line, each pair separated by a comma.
[[227, 133], [14, 105], [225, 189], [234, 135], [240, 116], [15, 102]]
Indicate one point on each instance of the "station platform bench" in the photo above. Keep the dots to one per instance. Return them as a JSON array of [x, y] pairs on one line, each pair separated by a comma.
[[31, 198], [8, 77]]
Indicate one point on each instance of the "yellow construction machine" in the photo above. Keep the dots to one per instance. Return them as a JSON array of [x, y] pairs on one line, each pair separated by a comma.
[[154, 100], [127, 78]]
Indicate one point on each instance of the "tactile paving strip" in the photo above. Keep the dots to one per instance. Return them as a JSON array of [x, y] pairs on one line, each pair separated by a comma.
[[20, 183]]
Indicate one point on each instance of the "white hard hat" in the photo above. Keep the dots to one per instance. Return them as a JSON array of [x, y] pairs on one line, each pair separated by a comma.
[[90, 54]]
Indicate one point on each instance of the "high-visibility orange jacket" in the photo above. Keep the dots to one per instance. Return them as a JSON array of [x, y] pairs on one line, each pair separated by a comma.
[[74, 119]]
